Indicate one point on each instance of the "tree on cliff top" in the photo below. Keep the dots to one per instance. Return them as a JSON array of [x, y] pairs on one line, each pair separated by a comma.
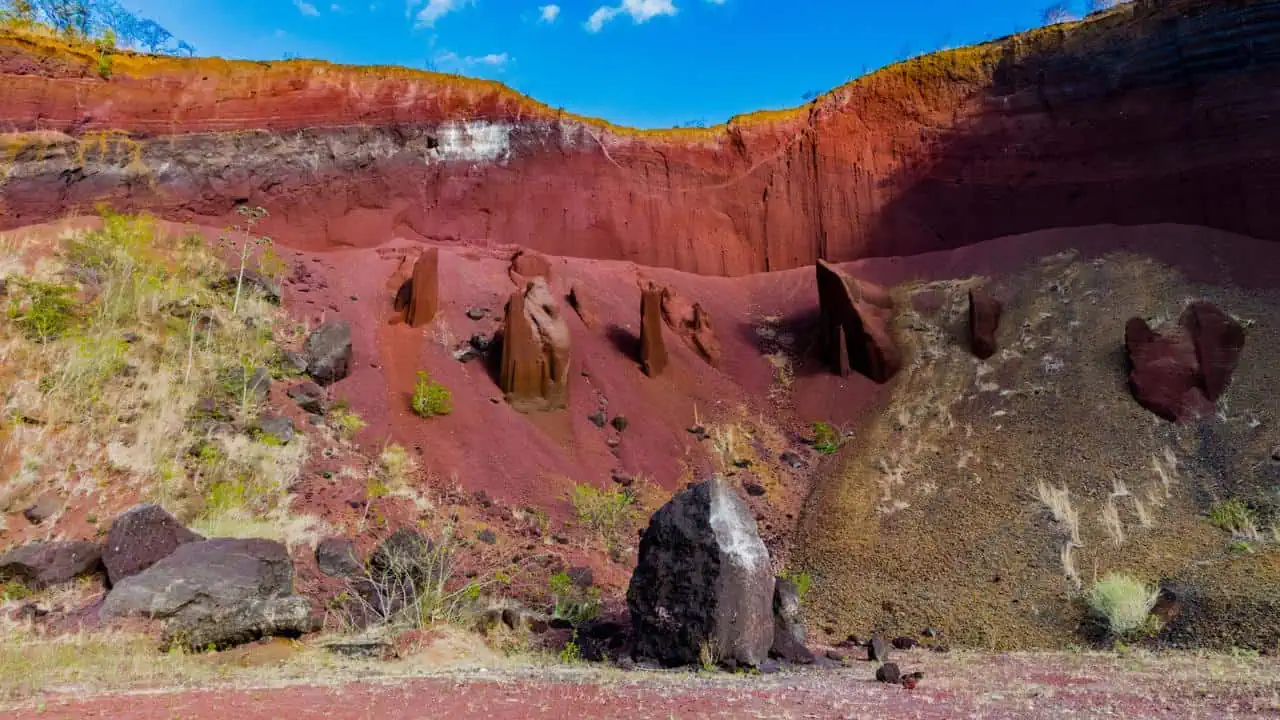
[[1058, 13], [92, 19]]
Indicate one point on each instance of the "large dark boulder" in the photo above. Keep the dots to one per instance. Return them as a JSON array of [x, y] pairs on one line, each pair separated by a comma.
[[141, 537], [703, 581], [225, 627], [329, 352], [201, 578], [788, 625], [1179, 373], [42, 564]]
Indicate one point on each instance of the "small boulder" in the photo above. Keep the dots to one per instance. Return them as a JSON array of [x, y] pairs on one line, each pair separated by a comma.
[[984, 321], [889, 673], [337, 558], [477, 313], [201, 578], [487, 536], [310, 397], [792, 460], [329, 352], [653, 351], [788, 625], [581, 576], [404, 558], [703, 578], [43, 564], [904, 643], [141, 537], [877, 649], [1181, 372], [620, 423], [277, 427], [242, 383], [753, 489], [598, 418], [293, 362], [45, 507], [910, 680], [245, 622]]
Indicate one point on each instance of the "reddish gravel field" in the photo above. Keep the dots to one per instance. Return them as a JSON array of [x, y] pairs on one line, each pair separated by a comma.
[[961, 685]]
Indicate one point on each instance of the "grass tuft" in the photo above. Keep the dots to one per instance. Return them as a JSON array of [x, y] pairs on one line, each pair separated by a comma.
[[1124, 603]]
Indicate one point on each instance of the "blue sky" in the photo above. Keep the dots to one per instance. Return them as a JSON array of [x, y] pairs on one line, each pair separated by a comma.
[[646, 63]]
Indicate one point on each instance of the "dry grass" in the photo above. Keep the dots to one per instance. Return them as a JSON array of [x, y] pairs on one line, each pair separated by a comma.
[[111, 401]]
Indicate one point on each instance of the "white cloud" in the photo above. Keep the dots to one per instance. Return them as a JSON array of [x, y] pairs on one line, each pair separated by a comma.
[[435, 9], [306, 8], [549, 13], [449, 61], [641, 11]]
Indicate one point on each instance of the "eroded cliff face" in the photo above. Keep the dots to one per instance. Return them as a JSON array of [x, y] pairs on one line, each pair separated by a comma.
[[1157, 112]]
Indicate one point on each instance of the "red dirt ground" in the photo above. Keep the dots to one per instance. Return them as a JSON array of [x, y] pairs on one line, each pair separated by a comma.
[[977, 686]]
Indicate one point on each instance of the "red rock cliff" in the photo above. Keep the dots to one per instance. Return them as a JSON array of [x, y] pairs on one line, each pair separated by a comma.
[[1156, 112]]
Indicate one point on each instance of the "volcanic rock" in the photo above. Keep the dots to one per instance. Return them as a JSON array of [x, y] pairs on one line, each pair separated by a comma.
[[337, 558], [653, 351], [329, 352], [703, 579], [1181, 372], [889, 673], [45, 507], [692, 324], [42, 564], [535, 351], [310, 397], [902, 642], [224, 627], [984, 321], [277, 427], [788, 625], [141, 537], [424, 289], [877, 648], [199, 579], [855, 325]]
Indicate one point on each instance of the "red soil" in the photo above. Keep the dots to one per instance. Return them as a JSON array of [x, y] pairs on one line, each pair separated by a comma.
[[1018, 686]]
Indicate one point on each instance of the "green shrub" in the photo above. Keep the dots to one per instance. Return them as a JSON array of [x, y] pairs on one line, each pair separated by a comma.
[[572, 603], [14, 590], [431, 398], [1124, 603], [605, 512], [1235, 517], [826, 439], [801, 580], [347, 422], [43, 311]]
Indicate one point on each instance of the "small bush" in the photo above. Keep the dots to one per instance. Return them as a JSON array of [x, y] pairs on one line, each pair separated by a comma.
[[14, 590], [801, 580], [43, 311], [605, 512], [1235, 517], [1124, 603], [826, 439], [571, 654], [572, 603], [431, 398], [347, 422]]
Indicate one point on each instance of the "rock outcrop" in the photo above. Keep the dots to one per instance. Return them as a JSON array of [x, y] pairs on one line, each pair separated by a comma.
[[984, 321], [910, 159], [535, 350], [788, 625], [216, 594], [653, 350], [43, 564], [1181, 372], [855, 325], [692, 323], [703, 582], [424, 293], [526, 266], [139, 538], [329, 352]]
